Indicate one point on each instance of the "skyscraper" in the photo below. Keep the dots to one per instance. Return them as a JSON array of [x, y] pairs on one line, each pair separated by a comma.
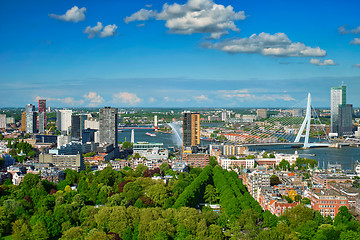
[[42, 115], [109, 125], [23, 122], [31, 116], [63, 120], [191, 129], [77, 125], [341, 113]]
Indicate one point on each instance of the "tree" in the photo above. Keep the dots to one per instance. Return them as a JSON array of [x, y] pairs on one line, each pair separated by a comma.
[[164, 167], [127, 145], [73, 233], [39, 232], [30, 180], [274, 180], [213, 161], [211, 194], [284, 165], [343, 216], [21, 230]]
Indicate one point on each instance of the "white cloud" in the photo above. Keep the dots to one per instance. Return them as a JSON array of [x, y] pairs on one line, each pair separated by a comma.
[[126, 97], [195, 16], [108, 31], [201, 98], [343, 30], [151, 99], [68, 100], [166, 99], [141, 15], [244, 95], [148, 5], [357, 65], [318, 62], [266, 44], [92, 31], [141, 25], [356, 41], [94, 99], [74, 14]]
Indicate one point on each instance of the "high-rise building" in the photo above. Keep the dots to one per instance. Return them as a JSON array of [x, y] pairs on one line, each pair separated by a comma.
[[341, 113], [31, 116], [109, 125], [42, 115], [261, 113], [2, 121], [63, 120], [191, 129], [345, 120], [23, 122], [77, 125]]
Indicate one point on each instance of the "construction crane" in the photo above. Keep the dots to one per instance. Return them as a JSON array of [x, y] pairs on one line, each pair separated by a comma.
[[47, 131]]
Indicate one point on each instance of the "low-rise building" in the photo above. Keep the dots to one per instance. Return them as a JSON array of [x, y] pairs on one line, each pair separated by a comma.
[[327, 202], [278, 207], [196, 160], [227, 163], [74, 162]]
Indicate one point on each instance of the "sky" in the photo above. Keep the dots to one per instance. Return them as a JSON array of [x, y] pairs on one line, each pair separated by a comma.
[[182, 53]]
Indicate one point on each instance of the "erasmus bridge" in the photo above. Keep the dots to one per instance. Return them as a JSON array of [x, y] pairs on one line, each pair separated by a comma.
[[286, 128]]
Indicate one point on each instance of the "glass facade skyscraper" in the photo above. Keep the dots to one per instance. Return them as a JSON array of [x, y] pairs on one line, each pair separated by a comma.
[[341, 113]]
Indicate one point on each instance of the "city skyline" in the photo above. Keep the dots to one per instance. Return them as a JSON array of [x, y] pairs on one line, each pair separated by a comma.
[[141, 54]]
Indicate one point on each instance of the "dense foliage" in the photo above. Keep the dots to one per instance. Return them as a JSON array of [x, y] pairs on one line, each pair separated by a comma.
[[129, 204]]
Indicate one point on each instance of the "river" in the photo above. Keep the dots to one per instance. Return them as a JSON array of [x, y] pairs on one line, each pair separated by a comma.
[[344, 156]]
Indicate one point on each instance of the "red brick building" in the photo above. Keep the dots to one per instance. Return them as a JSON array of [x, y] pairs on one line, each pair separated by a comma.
[[327, 202], [196, 160]]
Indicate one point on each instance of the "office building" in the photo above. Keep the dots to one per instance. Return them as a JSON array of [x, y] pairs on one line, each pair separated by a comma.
[[345, 120], [109, 125], [31, 117], [191, 129], [42, 115], [2, 121], [63, 120], [88, 135], [77, 125], [92, 124], [327, 202], [341, 113], [261, 113], [74, 162]]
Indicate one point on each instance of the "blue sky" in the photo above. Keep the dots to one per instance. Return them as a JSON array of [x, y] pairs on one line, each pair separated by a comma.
[[183, 53]]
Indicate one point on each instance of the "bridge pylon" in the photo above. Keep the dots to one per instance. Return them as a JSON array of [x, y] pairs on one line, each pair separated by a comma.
[[306, 123]]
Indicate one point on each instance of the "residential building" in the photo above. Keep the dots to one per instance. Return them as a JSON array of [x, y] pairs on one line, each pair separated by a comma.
[[63, 120], [196, 160], [297, 112], [109, 126], [227, 163], [278, 207], [191, 129]]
